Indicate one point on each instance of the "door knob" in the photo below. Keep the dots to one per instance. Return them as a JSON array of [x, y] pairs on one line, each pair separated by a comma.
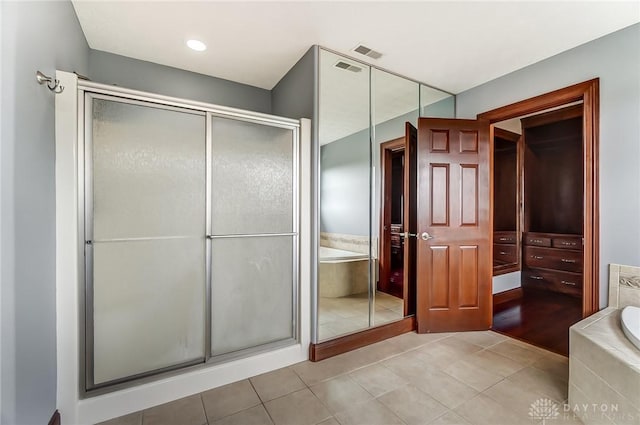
[[407, 235], [426, 236]]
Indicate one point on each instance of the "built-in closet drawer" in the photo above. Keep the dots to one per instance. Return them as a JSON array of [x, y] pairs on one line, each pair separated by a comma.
[[554, 240], [553, 258], [534, 239], [396, 239], [552, 280], [567, 242], [504, 237], [505, 253]]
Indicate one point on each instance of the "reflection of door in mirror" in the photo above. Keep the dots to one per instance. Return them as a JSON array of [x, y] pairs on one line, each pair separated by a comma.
[[506, 205], [392, 229], [396, 275]]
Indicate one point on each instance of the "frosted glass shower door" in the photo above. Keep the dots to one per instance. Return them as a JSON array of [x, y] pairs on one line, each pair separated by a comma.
[[145, 238], [254, 223]]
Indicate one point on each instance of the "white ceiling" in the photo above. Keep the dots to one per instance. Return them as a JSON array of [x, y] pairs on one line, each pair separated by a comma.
[[450, 45]]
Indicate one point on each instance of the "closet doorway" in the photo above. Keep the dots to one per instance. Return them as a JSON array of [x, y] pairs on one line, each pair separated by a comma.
[[545, 214]]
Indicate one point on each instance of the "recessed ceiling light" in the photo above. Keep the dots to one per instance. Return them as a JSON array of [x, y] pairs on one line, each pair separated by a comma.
[[197, 45]]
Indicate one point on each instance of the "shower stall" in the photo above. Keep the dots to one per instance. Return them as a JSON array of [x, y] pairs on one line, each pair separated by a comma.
[[188, 241]]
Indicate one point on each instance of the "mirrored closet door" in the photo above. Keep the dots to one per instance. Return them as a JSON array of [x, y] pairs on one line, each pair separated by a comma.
[[394, 104], [345, 179]]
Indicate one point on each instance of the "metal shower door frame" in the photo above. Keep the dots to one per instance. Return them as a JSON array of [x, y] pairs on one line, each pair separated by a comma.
[[87, 91]]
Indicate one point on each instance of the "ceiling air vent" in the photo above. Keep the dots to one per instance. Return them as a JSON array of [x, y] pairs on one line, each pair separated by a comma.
[[364, 50], [347, 66]]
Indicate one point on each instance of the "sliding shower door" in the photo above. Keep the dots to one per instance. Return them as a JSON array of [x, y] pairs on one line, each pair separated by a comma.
[[254, 234], [145, 192], [191, 236]]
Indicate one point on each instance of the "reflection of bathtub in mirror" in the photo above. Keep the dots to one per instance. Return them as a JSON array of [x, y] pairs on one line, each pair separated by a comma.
[[342, 272]]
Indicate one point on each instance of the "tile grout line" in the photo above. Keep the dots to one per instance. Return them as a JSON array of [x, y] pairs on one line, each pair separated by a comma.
[[512, 408], [373, 397], [446, 412], [261, 401], [356, 366], [203, 407]]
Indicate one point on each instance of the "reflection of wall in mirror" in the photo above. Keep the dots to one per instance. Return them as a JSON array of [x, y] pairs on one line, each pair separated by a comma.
[[344, 185], [344, 178], [444, 108]]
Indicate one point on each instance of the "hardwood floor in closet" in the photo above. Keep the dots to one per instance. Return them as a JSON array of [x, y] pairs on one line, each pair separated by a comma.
[[541, 318]]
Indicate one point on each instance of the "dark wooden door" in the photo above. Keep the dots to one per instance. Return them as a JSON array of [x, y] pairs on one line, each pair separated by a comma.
[[410, 217], [454, 225]]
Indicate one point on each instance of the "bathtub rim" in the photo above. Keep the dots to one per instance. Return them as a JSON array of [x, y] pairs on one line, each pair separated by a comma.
[[358, 256]]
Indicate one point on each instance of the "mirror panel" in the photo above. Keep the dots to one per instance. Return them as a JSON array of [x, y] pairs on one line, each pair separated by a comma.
[[436, 104], [344, 135], [394, 102]]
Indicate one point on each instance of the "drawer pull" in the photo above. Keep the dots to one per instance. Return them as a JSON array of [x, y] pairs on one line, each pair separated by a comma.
[[536, 277], [564, 260], [503, 253], [537, 257], [504, 239], [568, 243], [536, 240], [566, 282]]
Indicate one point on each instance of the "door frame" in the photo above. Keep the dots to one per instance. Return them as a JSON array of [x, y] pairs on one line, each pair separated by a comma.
[[589, 93], [386, 150]]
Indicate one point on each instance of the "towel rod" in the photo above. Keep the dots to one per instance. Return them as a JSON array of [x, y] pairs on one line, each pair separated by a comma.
[[52, 84]]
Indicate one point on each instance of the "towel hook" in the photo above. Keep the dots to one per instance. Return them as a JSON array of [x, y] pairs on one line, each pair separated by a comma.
[[52, 84]]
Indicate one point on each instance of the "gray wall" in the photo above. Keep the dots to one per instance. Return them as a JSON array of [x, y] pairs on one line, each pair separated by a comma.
[[615, 59], [147, 76], [293, 95], [41, 36]]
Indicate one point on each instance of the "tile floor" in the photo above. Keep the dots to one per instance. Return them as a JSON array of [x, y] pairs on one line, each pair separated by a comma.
[[339, 316], [479, 378]]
